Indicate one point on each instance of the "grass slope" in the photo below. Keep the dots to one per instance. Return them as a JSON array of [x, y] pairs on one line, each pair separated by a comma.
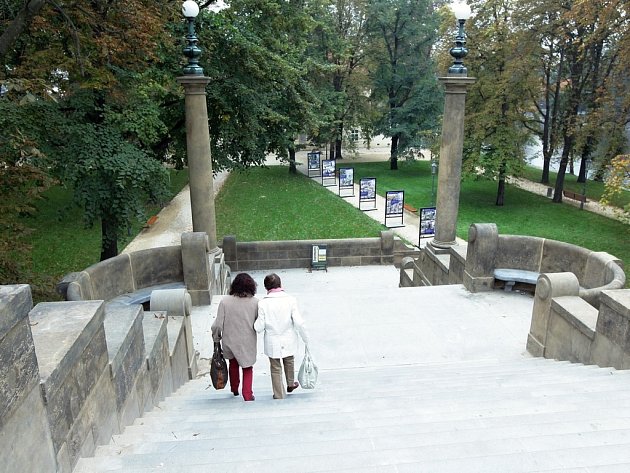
[[264, 204]]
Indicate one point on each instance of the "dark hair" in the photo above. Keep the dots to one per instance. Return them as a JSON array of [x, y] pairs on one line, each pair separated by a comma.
[[243, 286], [272, 281]]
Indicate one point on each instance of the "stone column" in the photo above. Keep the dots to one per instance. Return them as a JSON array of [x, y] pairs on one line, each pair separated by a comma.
[[450, 169], [199, 159]]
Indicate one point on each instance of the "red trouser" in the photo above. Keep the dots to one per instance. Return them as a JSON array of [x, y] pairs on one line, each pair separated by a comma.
[[248, 374]]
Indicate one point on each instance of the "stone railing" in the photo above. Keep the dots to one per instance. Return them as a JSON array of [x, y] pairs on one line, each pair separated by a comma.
[[566, 327], [488, 251], [74, 373], [581, 311], [131, 277], [262, 255]]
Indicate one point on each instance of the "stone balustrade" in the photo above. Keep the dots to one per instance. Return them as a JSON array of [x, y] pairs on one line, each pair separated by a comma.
[[263, 255], [74, 373], [130, 277], [581, 311]]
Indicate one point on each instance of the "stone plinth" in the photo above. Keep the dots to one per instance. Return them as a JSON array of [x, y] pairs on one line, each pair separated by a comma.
[[79, 397], [25, 443]]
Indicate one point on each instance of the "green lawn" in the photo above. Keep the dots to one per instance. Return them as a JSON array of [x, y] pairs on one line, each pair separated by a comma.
[[524, 213], [265, 204]]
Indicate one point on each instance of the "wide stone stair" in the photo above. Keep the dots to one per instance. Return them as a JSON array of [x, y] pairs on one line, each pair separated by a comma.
[[521, 415]]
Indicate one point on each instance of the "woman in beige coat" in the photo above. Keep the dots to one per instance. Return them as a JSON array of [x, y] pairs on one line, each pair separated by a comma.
[[234, 325]]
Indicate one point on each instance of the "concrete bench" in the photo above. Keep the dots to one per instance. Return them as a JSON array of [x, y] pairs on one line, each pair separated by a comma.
[[512, 276]]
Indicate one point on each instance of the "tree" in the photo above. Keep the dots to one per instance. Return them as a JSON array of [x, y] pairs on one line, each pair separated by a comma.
[[618, 177], [338, 43], [259, 96], [579, 45], [495, 135], [21, 185], [404, 84], [82, 65]]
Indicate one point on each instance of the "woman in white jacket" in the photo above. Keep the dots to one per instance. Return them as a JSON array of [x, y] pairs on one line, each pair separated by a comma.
[[280, 319]]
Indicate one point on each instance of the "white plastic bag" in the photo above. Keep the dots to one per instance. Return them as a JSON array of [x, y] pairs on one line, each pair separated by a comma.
[[307, 376]]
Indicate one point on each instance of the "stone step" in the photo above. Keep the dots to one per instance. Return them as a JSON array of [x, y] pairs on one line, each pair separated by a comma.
[[390, 437], [359, 380], [509, 455], [594, 416], [552, 383], [469, 370], [523, 415]]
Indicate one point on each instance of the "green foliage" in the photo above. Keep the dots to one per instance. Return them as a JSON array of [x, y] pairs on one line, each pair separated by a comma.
[[259, 96], [59, 242], [495, 134], [405, 89], [112, 179]]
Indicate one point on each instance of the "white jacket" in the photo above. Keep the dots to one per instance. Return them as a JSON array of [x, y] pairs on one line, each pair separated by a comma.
[[280, 319]]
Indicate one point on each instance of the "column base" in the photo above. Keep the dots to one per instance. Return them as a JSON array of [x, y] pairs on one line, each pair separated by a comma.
[[440, 247]]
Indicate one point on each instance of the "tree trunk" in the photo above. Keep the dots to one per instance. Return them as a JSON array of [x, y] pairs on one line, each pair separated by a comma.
[[564, 161], [501, 187], [331, 147], [546, 164], [109, 239], [292, 168], [393, 159], [586, 151], [338, 141], [21, 22]]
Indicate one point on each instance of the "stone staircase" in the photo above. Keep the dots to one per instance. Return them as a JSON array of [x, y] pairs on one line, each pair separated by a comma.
[[519, 415]]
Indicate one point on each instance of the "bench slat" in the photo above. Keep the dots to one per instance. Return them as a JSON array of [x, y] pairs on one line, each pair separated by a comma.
[[516, 275]]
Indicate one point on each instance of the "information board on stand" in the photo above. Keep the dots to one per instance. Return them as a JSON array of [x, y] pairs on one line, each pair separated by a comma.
[[427, 223], [314, 163], [394, 206], [346, 182], [367, 193], [329, 174]]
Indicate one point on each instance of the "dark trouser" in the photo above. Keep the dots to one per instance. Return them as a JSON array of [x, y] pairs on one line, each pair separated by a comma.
[[248, 373]]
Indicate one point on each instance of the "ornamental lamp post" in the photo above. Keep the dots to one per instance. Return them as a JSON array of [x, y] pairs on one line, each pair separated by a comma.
[[197, 134], [450, 170], [462, 12], [190, 10]]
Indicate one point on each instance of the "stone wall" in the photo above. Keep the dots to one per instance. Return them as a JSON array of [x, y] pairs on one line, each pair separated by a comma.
[[130, 277], [566, 327], [247, 256], [74, 373], [581, 312]]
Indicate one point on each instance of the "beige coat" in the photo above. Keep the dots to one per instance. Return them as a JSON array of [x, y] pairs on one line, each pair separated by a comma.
[[234, 326], [280, 319]]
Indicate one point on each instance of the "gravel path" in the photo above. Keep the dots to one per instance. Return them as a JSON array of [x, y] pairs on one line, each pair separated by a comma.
[[591, 205]]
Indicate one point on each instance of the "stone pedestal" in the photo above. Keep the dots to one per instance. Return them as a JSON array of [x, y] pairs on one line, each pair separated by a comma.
[[199, 158], [549, 286], [450, 169]]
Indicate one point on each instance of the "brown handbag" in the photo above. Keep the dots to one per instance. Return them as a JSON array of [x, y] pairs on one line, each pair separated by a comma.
[[218, 368]]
